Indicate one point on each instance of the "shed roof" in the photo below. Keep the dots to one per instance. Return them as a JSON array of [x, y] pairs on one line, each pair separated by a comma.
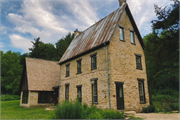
[[97, 34], [42, 75]]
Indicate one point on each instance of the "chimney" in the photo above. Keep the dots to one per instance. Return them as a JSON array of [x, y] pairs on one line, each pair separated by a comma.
[[121, 2], [76, 33]]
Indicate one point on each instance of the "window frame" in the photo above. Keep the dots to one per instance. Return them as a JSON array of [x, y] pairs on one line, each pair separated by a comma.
[[67, 94], [133, 33], [139, 56], [25, 97], [121, 28], [67, 70], [93, 88], [79, 70], [45, 96], [79, 87], [93, 66], [144, 97]]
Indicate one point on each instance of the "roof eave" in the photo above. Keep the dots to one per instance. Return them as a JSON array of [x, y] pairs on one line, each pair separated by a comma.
[[86, 52]]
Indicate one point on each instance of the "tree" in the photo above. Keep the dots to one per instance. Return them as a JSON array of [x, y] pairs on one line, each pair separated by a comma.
[[11, 71], [162, 50], [63, 44], [35, 49]]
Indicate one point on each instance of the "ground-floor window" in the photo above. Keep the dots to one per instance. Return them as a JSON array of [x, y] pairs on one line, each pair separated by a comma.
[[141, 90], [45, 96], [67, 92], [25, 97], [94, 91]]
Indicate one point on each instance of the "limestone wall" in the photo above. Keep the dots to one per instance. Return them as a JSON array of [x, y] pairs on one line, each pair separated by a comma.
[[84, 79], [122, 64]]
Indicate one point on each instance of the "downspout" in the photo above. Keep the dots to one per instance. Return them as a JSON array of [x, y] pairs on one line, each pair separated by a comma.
[[59, 83], [108, 75]]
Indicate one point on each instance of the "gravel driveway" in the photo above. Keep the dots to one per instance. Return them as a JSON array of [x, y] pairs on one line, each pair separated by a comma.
[[158, 116]]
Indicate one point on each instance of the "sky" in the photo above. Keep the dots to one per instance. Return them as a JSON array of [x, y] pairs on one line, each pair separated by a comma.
[[24, 20]]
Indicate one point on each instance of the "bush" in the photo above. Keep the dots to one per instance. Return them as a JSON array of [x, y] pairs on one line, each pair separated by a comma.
[[68, 110], [163, 97], [149, 109], [174, 106], [9, 97], [111, 114], [74, 110]]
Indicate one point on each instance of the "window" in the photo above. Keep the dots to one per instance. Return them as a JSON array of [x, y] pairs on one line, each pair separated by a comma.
[[121, 33], [45, 96], [67, 92], [138, 62], [132, 37], [25, 96], [93, 61], [67, 70], [94, 91], [79, 66], [79, 93], [141, 91]]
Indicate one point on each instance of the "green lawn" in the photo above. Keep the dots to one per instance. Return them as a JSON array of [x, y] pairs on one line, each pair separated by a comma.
[[12, 110]]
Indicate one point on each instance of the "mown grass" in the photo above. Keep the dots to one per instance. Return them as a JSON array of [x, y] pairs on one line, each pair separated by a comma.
[[12, 110]]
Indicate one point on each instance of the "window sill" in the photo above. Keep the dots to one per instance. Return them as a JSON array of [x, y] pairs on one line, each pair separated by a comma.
[[95, 103], [142, 102], [66, 76], [133, 43], [78, 73], [139, 68], [94, 69], [122, 40]]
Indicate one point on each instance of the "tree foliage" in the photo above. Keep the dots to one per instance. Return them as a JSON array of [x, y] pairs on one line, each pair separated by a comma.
[[63, 44], [162, 50], [11, 71]]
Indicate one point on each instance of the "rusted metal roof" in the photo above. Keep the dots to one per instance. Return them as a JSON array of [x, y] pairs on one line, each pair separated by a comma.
[[97, 34]]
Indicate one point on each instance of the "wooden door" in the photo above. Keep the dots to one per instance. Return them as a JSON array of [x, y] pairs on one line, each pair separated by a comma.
[[120, 96]]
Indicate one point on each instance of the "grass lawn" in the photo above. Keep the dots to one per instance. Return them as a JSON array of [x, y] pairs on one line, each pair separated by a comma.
[[12, 110]]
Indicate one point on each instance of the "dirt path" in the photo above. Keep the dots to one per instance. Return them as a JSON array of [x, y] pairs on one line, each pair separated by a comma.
[[158, 116]]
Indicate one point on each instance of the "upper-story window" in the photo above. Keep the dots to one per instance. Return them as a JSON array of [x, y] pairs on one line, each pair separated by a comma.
[[79, 66], [138, 61], [67, 70], [93, 61], [132, 37], [121, 33]]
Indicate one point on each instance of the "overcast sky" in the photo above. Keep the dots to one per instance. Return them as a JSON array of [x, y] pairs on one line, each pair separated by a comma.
[[24, 20]]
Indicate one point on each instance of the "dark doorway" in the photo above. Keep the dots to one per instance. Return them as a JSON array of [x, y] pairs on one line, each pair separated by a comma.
[[119, 95], [79, 93]]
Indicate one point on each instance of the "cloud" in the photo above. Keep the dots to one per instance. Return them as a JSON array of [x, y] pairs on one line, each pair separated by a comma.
[[143, 13], [20, 42]]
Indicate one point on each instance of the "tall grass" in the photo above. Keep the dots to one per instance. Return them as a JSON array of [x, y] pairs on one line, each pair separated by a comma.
[[74, 110]]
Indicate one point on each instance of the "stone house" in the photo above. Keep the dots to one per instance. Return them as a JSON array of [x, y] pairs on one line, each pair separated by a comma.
[[105, 64], [39, 82]]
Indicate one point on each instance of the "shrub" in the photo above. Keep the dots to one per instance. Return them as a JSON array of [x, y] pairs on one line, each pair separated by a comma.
[[111, 114], [149, 109], [174, 106], [9, 97], [74, 110], [68, 110]]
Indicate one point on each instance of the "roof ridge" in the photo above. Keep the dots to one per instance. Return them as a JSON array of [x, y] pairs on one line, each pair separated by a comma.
[[97, 22]]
